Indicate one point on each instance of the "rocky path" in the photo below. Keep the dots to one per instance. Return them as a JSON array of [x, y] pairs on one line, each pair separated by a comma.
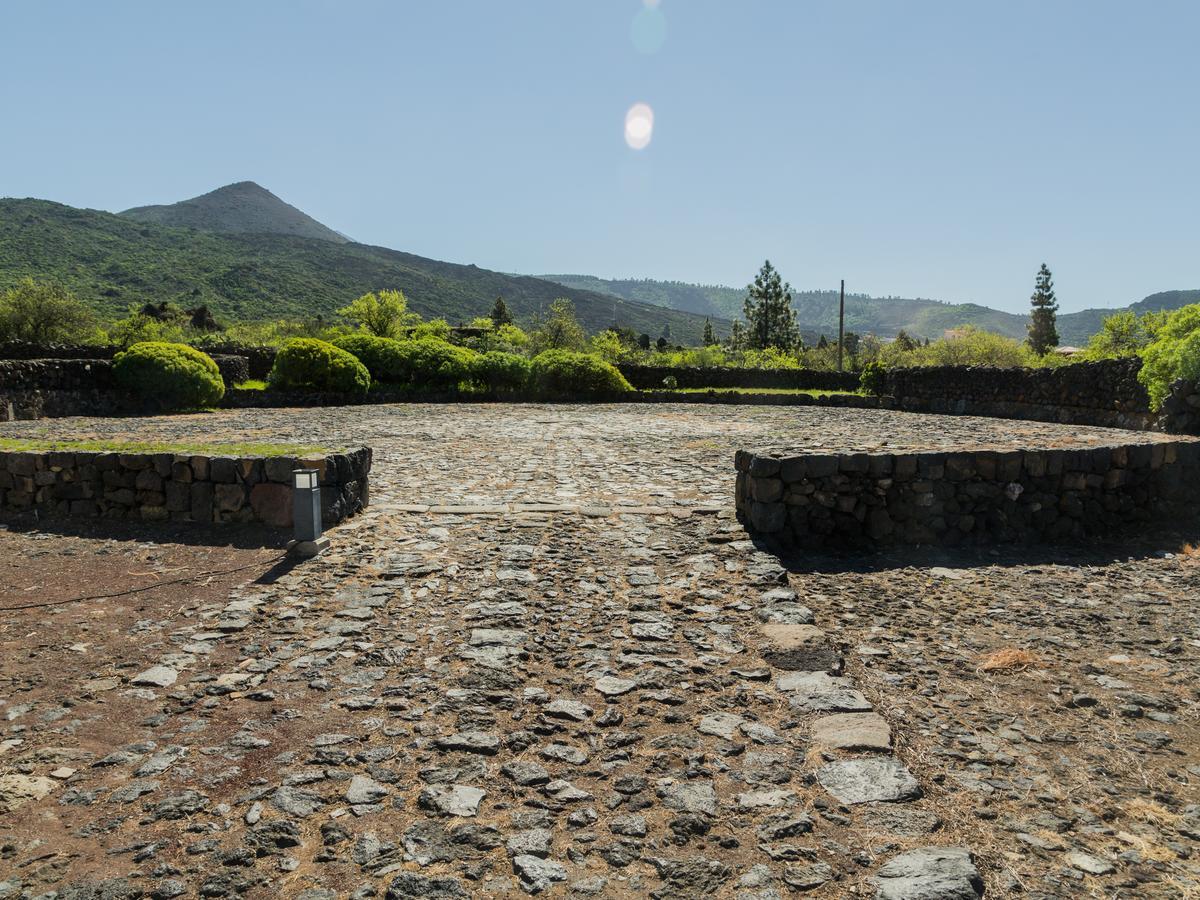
[[547, 661]]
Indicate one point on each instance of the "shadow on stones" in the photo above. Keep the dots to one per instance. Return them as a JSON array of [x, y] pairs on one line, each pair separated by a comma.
[[1153, 542], [242, 537], [278, 570]]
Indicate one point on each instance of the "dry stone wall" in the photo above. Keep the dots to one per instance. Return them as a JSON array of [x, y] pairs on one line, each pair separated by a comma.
[[178, 487], [53, 388], [976, 497], [1105, 393]]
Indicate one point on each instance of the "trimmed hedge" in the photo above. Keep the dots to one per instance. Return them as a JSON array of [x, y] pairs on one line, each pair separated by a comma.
[[501, 372], [565, 374], [307, 364], [173, 376], [378, 354], [430, 362]]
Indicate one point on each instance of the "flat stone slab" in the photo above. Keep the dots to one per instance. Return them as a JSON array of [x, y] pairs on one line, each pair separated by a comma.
[[810, 692], [854, 781], [799, 648], [853, 731], [158, 676], [929, 873]]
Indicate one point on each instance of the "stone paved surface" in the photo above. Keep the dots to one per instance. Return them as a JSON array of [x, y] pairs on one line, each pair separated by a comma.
[[547, 661]]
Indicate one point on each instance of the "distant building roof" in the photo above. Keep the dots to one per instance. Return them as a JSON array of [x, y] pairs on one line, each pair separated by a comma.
[[1067, 351]]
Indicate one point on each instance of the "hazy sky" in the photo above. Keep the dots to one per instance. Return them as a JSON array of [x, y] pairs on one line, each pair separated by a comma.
[[934, 149]]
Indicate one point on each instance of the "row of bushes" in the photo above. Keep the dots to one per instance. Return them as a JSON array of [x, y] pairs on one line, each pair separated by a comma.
[[176, 376], [352, 363]]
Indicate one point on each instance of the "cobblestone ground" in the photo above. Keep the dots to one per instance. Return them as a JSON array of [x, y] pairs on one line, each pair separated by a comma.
[[547, 660]]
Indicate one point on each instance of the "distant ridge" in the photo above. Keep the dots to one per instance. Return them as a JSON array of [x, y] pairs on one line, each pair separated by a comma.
[[240, 208], [816, 311]]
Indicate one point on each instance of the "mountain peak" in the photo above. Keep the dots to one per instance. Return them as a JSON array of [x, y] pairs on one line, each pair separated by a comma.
[[239, 208]]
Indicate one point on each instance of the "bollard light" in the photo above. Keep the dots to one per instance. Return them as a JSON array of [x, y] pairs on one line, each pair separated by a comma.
[[306, 513]]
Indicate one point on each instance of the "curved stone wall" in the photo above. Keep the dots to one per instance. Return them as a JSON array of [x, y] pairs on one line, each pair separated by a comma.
[[973, 497], [177, 486]]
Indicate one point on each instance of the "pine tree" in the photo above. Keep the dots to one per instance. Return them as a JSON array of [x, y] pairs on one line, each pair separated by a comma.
[[710, 339], [737, 335], [904, 342], [1043, 333], [823, 344], [500, 313], [768, 309]]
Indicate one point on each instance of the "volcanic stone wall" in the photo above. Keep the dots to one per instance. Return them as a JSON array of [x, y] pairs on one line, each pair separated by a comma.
[[651, 377], [977, 497], [178, 487], [1105, 393], [52, 388]]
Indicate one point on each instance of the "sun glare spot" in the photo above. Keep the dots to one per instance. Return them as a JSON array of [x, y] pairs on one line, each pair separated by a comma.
[[639, 126], [648, 29]]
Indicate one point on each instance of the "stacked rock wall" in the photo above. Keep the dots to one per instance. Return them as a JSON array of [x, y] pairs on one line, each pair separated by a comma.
[[177, 487], [651, 378], [977, 497], [53, 388], [1105, 393]]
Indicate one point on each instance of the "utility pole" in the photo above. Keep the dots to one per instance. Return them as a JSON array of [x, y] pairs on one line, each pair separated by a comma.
[[841, 321]]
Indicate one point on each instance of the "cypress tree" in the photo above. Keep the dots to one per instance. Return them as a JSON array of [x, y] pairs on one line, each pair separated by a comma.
[[1043, 331], [770, 319], [500, 313], [710, 339]]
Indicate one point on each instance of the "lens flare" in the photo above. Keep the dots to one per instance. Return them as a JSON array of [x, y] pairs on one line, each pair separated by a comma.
[[639, 126], [648, 31]]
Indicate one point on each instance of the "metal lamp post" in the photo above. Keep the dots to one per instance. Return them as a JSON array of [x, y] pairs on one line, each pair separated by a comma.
[[306, 514]]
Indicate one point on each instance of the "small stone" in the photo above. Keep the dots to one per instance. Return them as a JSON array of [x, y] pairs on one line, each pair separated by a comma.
[[1085, 862], [455, 800], [157, 676], [930, 873], [692, 796], [538, 874], [720, 724], [532, 842], [525, 773], [854, 781], [802, 648], [567, 709], [364, 790], [611, 686], [853, 731], [752, 800], [17, 790], [470, 742]]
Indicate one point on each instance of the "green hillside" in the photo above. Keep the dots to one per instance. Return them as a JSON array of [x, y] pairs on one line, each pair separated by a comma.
[[817, 311], [240, 208], [114, 262]]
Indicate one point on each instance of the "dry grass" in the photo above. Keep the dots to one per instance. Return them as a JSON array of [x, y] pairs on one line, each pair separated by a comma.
[[1008, 659], [1152, 813]]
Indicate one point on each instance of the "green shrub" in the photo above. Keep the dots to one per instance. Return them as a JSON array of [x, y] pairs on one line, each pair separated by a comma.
[[430, 362], [306, 364], [873, 379], [380, 355], [566, 374], [671, 383], [501, 372], [173, 375], [1174, 354]]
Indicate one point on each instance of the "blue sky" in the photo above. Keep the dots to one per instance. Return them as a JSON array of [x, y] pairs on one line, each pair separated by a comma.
[[934, 149]]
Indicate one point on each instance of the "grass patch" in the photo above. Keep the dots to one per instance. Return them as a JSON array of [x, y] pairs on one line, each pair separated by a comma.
[[252, 385], [1008, 659], [42, 445]]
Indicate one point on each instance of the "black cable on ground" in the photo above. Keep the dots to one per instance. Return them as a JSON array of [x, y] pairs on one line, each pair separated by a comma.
[[143, 588]]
